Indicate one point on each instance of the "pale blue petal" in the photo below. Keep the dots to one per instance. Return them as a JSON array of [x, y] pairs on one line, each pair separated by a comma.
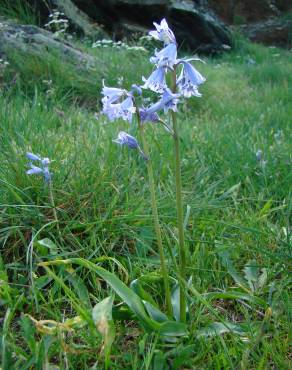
[[45, 161], [127, 109], [189, 80], [113, 93], [136, 89], [193, 75], [165, 57], [34, 170], [33, 157], [163, 32], [170, 100], [126, 139], [47, 174], [156, 81], [148, 116]]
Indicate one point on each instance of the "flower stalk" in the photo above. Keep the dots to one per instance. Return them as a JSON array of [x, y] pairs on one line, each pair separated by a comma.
[[154, 207], [120, 104], [52, 200], [179, 207]]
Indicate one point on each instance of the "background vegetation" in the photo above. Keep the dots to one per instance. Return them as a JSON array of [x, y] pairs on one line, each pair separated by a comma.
[[239, 202]]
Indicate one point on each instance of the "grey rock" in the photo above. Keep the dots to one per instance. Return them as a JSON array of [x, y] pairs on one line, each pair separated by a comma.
[[32, 40], [79, 19], [196, 27], [274, 31]]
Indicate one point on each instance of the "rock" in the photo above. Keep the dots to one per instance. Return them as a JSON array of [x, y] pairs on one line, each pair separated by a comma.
[[79, 19], [196, 27], [244, 11], [261, 21], [32, 40], [274, 31]]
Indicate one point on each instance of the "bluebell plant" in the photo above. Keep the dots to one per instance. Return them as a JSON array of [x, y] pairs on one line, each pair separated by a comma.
[[122, 104], [43, 169]]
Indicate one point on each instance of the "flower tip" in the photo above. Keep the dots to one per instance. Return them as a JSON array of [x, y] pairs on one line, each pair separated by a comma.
[[32, 156], [136, 89]]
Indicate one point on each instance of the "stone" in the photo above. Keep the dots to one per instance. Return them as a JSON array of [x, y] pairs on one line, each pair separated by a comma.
[[32, 40], [274, 31], [80, 20], [197, 28]]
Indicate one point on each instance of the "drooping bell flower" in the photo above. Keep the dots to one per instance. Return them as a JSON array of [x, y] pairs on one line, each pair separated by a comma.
[[42, 169], [130, 141], [156, 81], [113, 93], [118, 110], [147, 116], [189, 80], [163, 33], [168, 101], [165, 57]]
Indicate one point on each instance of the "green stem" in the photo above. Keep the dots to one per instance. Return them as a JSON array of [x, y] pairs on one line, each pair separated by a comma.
[[155, 216], [54, 207], [179, 207]]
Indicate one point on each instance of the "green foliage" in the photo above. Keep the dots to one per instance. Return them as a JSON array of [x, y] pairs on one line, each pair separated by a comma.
[[19, 10], [102, 317], [237, 222]]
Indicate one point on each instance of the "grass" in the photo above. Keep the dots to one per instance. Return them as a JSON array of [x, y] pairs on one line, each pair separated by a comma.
[[20, 10], [240, 212]]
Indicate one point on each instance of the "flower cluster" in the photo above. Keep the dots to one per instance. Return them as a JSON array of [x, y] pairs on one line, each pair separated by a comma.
[[117, 103], [57, 23], [105, 43], [42, 169], [121, 104]]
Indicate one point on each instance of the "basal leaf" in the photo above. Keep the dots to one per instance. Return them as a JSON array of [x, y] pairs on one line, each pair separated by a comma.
[[102, 317], [219, 328], [155, 313]]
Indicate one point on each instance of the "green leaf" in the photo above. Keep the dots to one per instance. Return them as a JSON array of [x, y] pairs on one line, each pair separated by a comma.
[[219, 328], [159, 361], [187, 216], [79, 287], [233, 191], [102, 317], [173, 329], [255, 279], [136, 286], [262, 279], [122, 312], [251, 274], [175, 298], [46, 245], [28, 332], [125, 293], [235, 295], [226, 261], [144, 242], [168, 328], [175, 302], [103, 310], [182, 356], [266, 208], [155, 313], [42, 281]]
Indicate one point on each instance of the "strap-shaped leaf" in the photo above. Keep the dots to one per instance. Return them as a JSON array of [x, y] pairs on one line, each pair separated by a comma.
[[102, 317], [218, 328], [168, 328], [234, 294]]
